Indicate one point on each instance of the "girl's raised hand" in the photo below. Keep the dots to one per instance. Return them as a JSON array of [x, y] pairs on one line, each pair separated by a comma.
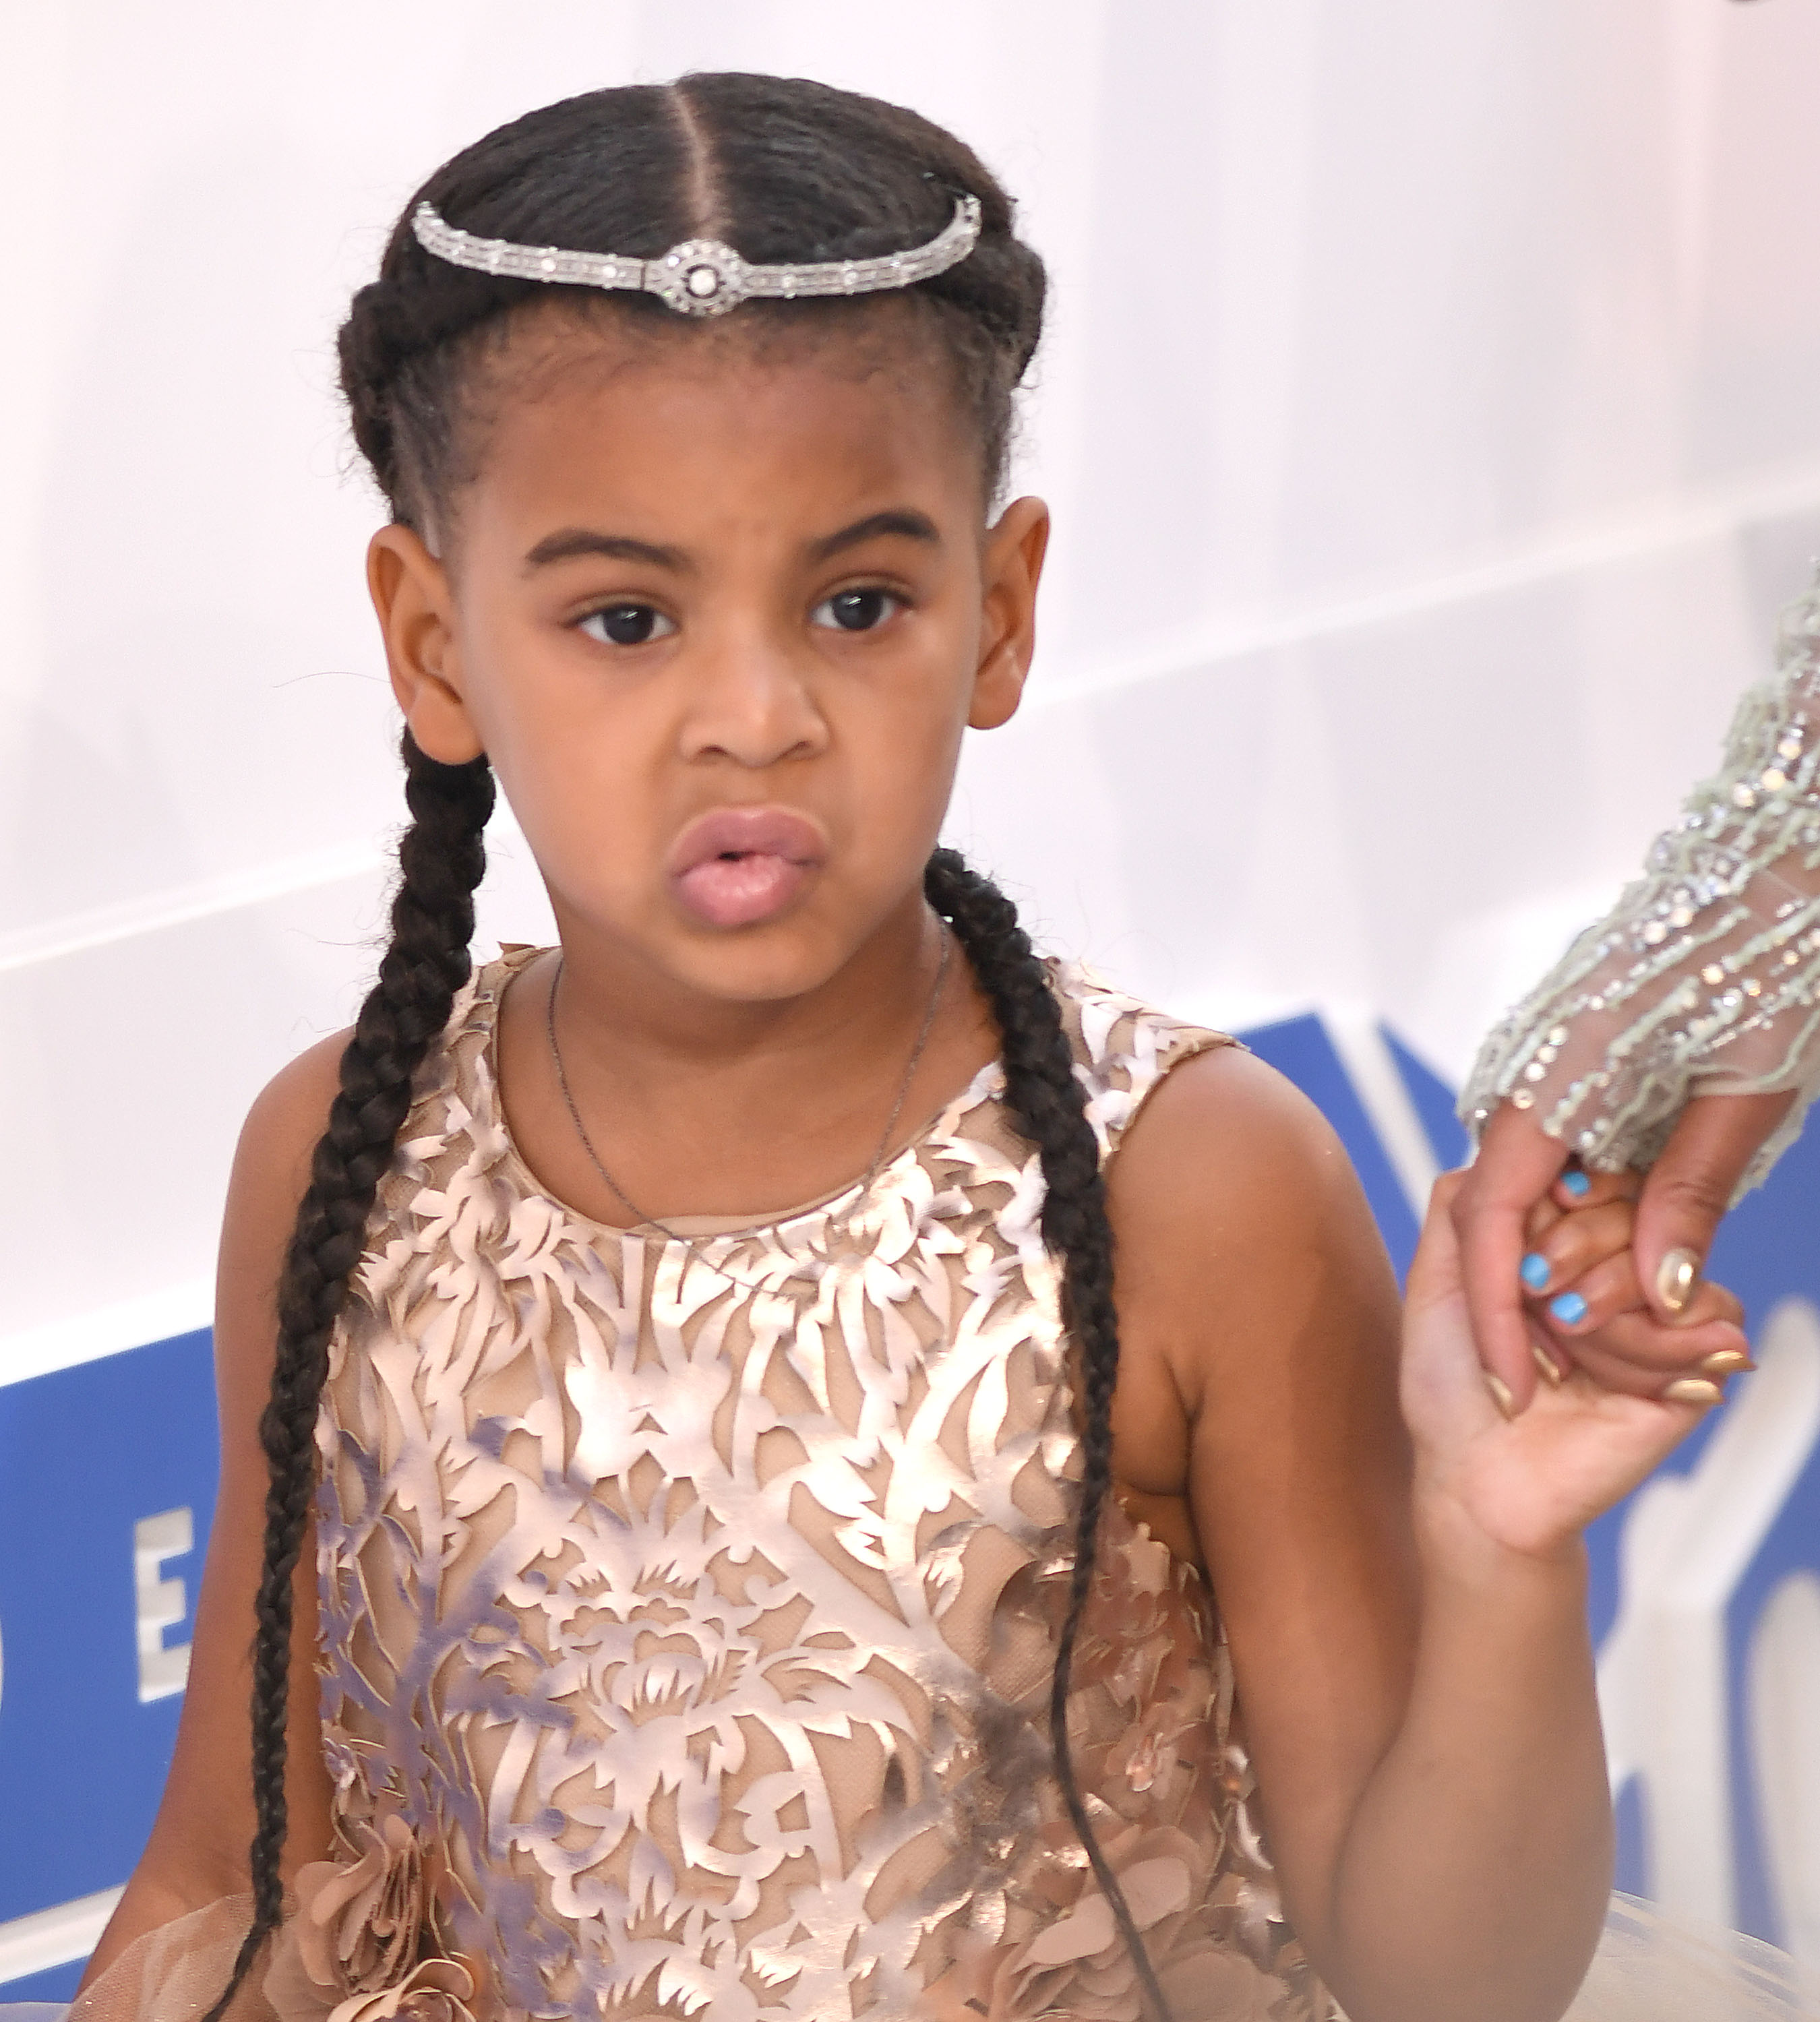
[[1532, 1483]]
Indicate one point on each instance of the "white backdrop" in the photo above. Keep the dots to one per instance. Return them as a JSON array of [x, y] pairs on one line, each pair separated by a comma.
[[1429, 413]]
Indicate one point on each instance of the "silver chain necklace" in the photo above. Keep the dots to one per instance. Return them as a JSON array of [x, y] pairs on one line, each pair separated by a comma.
[[691, 1243]]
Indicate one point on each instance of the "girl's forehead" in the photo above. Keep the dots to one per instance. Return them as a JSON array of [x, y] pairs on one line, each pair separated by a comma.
[[600, 357], [609, 407]]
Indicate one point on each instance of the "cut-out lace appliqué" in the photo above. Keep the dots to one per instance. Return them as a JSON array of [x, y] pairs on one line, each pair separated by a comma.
[[706, 1628]]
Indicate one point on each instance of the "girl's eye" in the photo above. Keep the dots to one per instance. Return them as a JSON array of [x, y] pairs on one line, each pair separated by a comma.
[[855, 610], [627, 625]]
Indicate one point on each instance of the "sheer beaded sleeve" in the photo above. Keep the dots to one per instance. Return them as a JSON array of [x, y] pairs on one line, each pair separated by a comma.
[[1702, 980]]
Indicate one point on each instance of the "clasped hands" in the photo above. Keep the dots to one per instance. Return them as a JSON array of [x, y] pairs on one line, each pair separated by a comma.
[[1532, 1296], [1564, 1270]]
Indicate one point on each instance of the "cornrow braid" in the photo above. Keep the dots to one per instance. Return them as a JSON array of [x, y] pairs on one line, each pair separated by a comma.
[[790, 169], [1046, 1099], [441, 857]]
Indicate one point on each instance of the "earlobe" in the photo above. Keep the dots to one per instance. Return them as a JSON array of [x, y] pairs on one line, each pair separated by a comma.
[[410, 589], [1013, 568]]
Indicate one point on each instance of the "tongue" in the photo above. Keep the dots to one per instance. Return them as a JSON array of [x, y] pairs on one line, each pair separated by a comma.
[[737, 891]]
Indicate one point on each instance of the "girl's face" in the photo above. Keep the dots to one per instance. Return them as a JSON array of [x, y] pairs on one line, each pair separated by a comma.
[[718, 612]]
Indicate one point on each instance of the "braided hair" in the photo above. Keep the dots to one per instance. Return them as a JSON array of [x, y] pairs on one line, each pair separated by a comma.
[[1047, 1102], [788, 170], [441, 858]]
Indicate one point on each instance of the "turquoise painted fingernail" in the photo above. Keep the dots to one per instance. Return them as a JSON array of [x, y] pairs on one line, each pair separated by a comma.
[[1534, 1271], [1577, 1184], [1570, 1309]]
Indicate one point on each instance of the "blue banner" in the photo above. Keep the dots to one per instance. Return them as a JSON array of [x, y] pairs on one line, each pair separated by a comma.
[[106, 1490]]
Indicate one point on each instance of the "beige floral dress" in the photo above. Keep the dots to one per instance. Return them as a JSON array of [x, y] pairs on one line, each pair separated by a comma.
[[688, 1609]]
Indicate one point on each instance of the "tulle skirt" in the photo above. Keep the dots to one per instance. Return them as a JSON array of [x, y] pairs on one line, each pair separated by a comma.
[[1648, 1969], [1651, 1967]]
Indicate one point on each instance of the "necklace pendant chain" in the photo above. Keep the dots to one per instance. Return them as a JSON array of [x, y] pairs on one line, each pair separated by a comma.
[[691, 1243]]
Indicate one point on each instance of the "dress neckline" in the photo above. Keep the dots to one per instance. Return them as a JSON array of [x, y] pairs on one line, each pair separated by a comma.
[[490, 982]]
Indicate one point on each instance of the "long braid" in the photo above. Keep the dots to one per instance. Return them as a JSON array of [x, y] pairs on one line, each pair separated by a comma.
[[1044, 1096], [441, 856]]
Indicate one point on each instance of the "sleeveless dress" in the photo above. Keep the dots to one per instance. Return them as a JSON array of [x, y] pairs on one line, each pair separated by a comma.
[[688, 1612], [696, 1604]]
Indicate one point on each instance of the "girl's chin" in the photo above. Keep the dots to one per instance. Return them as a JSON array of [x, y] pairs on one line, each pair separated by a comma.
[[743, 891]]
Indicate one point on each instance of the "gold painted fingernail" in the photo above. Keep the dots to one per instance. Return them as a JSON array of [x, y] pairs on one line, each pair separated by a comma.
[[1551, 1370], [1693, 1390], [1726, 1362], [1501, 1394], [1676, 1276]]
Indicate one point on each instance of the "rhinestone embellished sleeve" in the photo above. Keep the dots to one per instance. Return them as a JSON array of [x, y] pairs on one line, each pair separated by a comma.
[[1702, 980]]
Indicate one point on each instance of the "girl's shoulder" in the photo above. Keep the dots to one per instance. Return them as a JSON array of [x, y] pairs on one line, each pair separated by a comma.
[[1222, 1164], [271, 1161], [1213, 1112], [1124, 1049]]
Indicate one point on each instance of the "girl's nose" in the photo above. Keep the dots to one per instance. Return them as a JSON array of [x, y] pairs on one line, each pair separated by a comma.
[[748, 702]]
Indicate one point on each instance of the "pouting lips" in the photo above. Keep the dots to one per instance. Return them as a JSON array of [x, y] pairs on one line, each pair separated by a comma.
[[737, 866]]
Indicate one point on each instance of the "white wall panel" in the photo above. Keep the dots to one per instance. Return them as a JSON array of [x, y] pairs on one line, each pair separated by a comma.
[[1430, 414]]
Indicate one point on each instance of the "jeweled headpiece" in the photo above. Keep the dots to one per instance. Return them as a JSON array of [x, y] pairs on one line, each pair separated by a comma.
[[701, 277]]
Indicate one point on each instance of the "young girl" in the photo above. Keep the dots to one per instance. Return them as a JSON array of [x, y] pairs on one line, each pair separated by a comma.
[[718, 1536]]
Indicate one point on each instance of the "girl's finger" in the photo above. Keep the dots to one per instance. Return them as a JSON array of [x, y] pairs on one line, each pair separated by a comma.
[[1713, 1302], [1541, 1217], [1595, 1296], [1575, 1244], [1578, 1188], [1634, 1336], [1554, 1364], [1576, 1192], [1616, 1361], [1516, 1165]]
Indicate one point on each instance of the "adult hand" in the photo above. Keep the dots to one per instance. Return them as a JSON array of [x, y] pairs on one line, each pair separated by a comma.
[[1687, 1191], [1684, 1195]]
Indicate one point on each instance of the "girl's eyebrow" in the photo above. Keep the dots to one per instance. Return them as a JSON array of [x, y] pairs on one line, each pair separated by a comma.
[[568, 542], [572, 541], [904, 520]]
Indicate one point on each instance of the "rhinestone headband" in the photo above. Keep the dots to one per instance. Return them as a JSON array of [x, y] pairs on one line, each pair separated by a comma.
[[701, 277]]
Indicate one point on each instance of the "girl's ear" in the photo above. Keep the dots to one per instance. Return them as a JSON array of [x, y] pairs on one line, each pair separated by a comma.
[[410, 589], [1011, 568]]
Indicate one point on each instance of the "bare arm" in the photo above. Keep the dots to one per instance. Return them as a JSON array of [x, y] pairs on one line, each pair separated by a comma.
[[197, 1852], [1418, 1688]]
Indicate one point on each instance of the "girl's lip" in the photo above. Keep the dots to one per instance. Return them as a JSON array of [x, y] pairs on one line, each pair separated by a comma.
[[737, 866]]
